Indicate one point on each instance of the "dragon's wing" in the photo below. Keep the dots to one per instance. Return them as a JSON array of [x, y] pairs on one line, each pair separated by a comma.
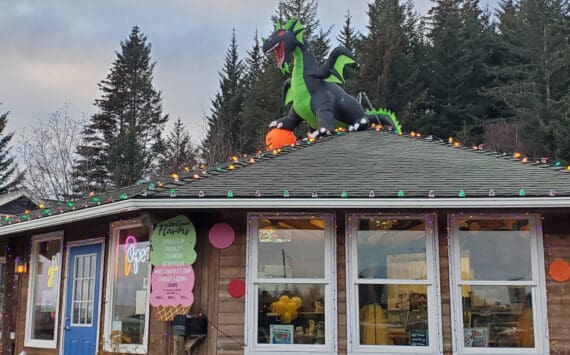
[[334, 67]]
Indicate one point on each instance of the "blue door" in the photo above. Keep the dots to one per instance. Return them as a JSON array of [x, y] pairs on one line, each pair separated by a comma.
[[82, 300]]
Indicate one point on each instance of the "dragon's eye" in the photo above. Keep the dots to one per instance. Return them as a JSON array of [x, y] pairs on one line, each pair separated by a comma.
[[281, 33]]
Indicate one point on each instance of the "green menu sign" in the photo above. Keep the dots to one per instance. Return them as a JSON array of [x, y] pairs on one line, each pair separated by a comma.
[[173, 242]]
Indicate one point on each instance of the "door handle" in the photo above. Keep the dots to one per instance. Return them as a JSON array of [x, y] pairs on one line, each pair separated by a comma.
[[67, 327]]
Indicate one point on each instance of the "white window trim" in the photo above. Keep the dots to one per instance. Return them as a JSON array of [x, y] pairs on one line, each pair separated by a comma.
[[329, 281], [432, 283], [110, 292], [28, 341], [538, 284]]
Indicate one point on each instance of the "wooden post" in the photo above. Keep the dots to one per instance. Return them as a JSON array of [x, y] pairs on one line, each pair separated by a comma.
[[178, 346]]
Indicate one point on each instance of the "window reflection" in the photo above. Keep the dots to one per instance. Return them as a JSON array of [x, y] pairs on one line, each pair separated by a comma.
[[495, 249], [392, 249], [291, 248]]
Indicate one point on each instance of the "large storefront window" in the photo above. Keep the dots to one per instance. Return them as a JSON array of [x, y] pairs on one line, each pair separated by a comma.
[[392, 303], [127, 317], [495, 286], [291, 279], [43, 293]]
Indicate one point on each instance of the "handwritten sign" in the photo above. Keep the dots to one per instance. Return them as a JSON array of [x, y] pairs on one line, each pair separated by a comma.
[[172, 286], [173, 242]]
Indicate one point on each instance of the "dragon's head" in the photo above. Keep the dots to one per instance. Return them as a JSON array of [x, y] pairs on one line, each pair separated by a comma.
[[284, 41]]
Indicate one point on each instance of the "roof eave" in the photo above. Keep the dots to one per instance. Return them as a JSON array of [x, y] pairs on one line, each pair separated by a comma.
[[284, 203]]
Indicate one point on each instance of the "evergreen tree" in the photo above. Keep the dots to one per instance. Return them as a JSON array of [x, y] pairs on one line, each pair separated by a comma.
[[304, 11], [532, 78], [253, 63], [225, 122], [454, 105], [348, 35], [321, 45], [350, 39], [9, 177], [389, 57], [263, 105], [123, 139], [179, 154]]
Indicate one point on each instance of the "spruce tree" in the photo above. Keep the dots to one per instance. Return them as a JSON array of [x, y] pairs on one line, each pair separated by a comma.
[[348, 36], [123, 139], [225, 122], [454, 105], [9, 176], [533, 76], [179, 153], [389, 57], [303, 10], [350, 39]]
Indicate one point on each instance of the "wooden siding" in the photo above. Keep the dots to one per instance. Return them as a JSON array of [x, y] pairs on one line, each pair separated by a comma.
[[557, 246], [214, 269]]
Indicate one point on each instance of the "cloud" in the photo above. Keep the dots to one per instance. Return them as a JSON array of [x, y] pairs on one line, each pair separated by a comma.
[[55, 52]]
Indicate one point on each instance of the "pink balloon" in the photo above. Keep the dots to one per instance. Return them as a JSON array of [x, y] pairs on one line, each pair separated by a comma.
[[172, 285], [221, 235]]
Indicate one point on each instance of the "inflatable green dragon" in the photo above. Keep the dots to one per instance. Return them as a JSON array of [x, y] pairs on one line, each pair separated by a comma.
[[312, 89]]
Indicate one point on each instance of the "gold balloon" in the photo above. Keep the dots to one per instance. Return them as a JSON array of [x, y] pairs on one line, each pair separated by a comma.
[[286, 318], [284, 299], [293, 315], [297, 301], [291, 307]]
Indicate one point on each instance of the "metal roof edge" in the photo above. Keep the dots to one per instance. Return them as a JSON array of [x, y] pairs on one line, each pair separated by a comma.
[[284, 203]]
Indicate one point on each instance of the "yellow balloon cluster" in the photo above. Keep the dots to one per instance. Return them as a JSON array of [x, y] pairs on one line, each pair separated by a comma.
[[286, 308]]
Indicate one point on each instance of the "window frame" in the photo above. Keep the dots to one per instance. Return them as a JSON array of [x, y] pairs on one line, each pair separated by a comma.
[[432, 283], [537, 284], [329, 281], [28, 340], [110, 292]]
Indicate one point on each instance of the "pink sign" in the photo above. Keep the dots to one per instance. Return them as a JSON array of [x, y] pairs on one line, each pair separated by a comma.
[[172, 285], [221, 235]]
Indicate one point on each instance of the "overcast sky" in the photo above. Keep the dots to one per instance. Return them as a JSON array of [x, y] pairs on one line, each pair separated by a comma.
[[55, 52]]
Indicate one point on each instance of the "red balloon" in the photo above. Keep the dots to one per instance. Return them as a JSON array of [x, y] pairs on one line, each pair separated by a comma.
[[236, 288], [278, 137]]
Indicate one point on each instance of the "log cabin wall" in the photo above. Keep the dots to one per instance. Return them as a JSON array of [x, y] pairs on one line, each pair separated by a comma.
[[557, 246], [215, 268]]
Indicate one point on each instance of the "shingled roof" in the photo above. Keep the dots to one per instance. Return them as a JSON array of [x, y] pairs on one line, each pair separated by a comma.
[[349, 166], [382, 162]]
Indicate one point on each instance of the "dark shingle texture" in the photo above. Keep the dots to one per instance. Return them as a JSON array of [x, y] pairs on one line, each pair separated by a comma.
[[379, 161]]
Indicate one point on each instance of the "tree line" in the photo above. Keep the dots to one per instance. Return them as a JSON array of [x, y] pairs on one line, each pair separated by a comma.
[[499, 78]]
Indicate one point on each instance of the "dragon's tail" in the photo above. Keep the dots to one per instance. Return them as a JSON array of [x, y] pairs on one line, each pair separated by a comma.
[[386, 118]]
